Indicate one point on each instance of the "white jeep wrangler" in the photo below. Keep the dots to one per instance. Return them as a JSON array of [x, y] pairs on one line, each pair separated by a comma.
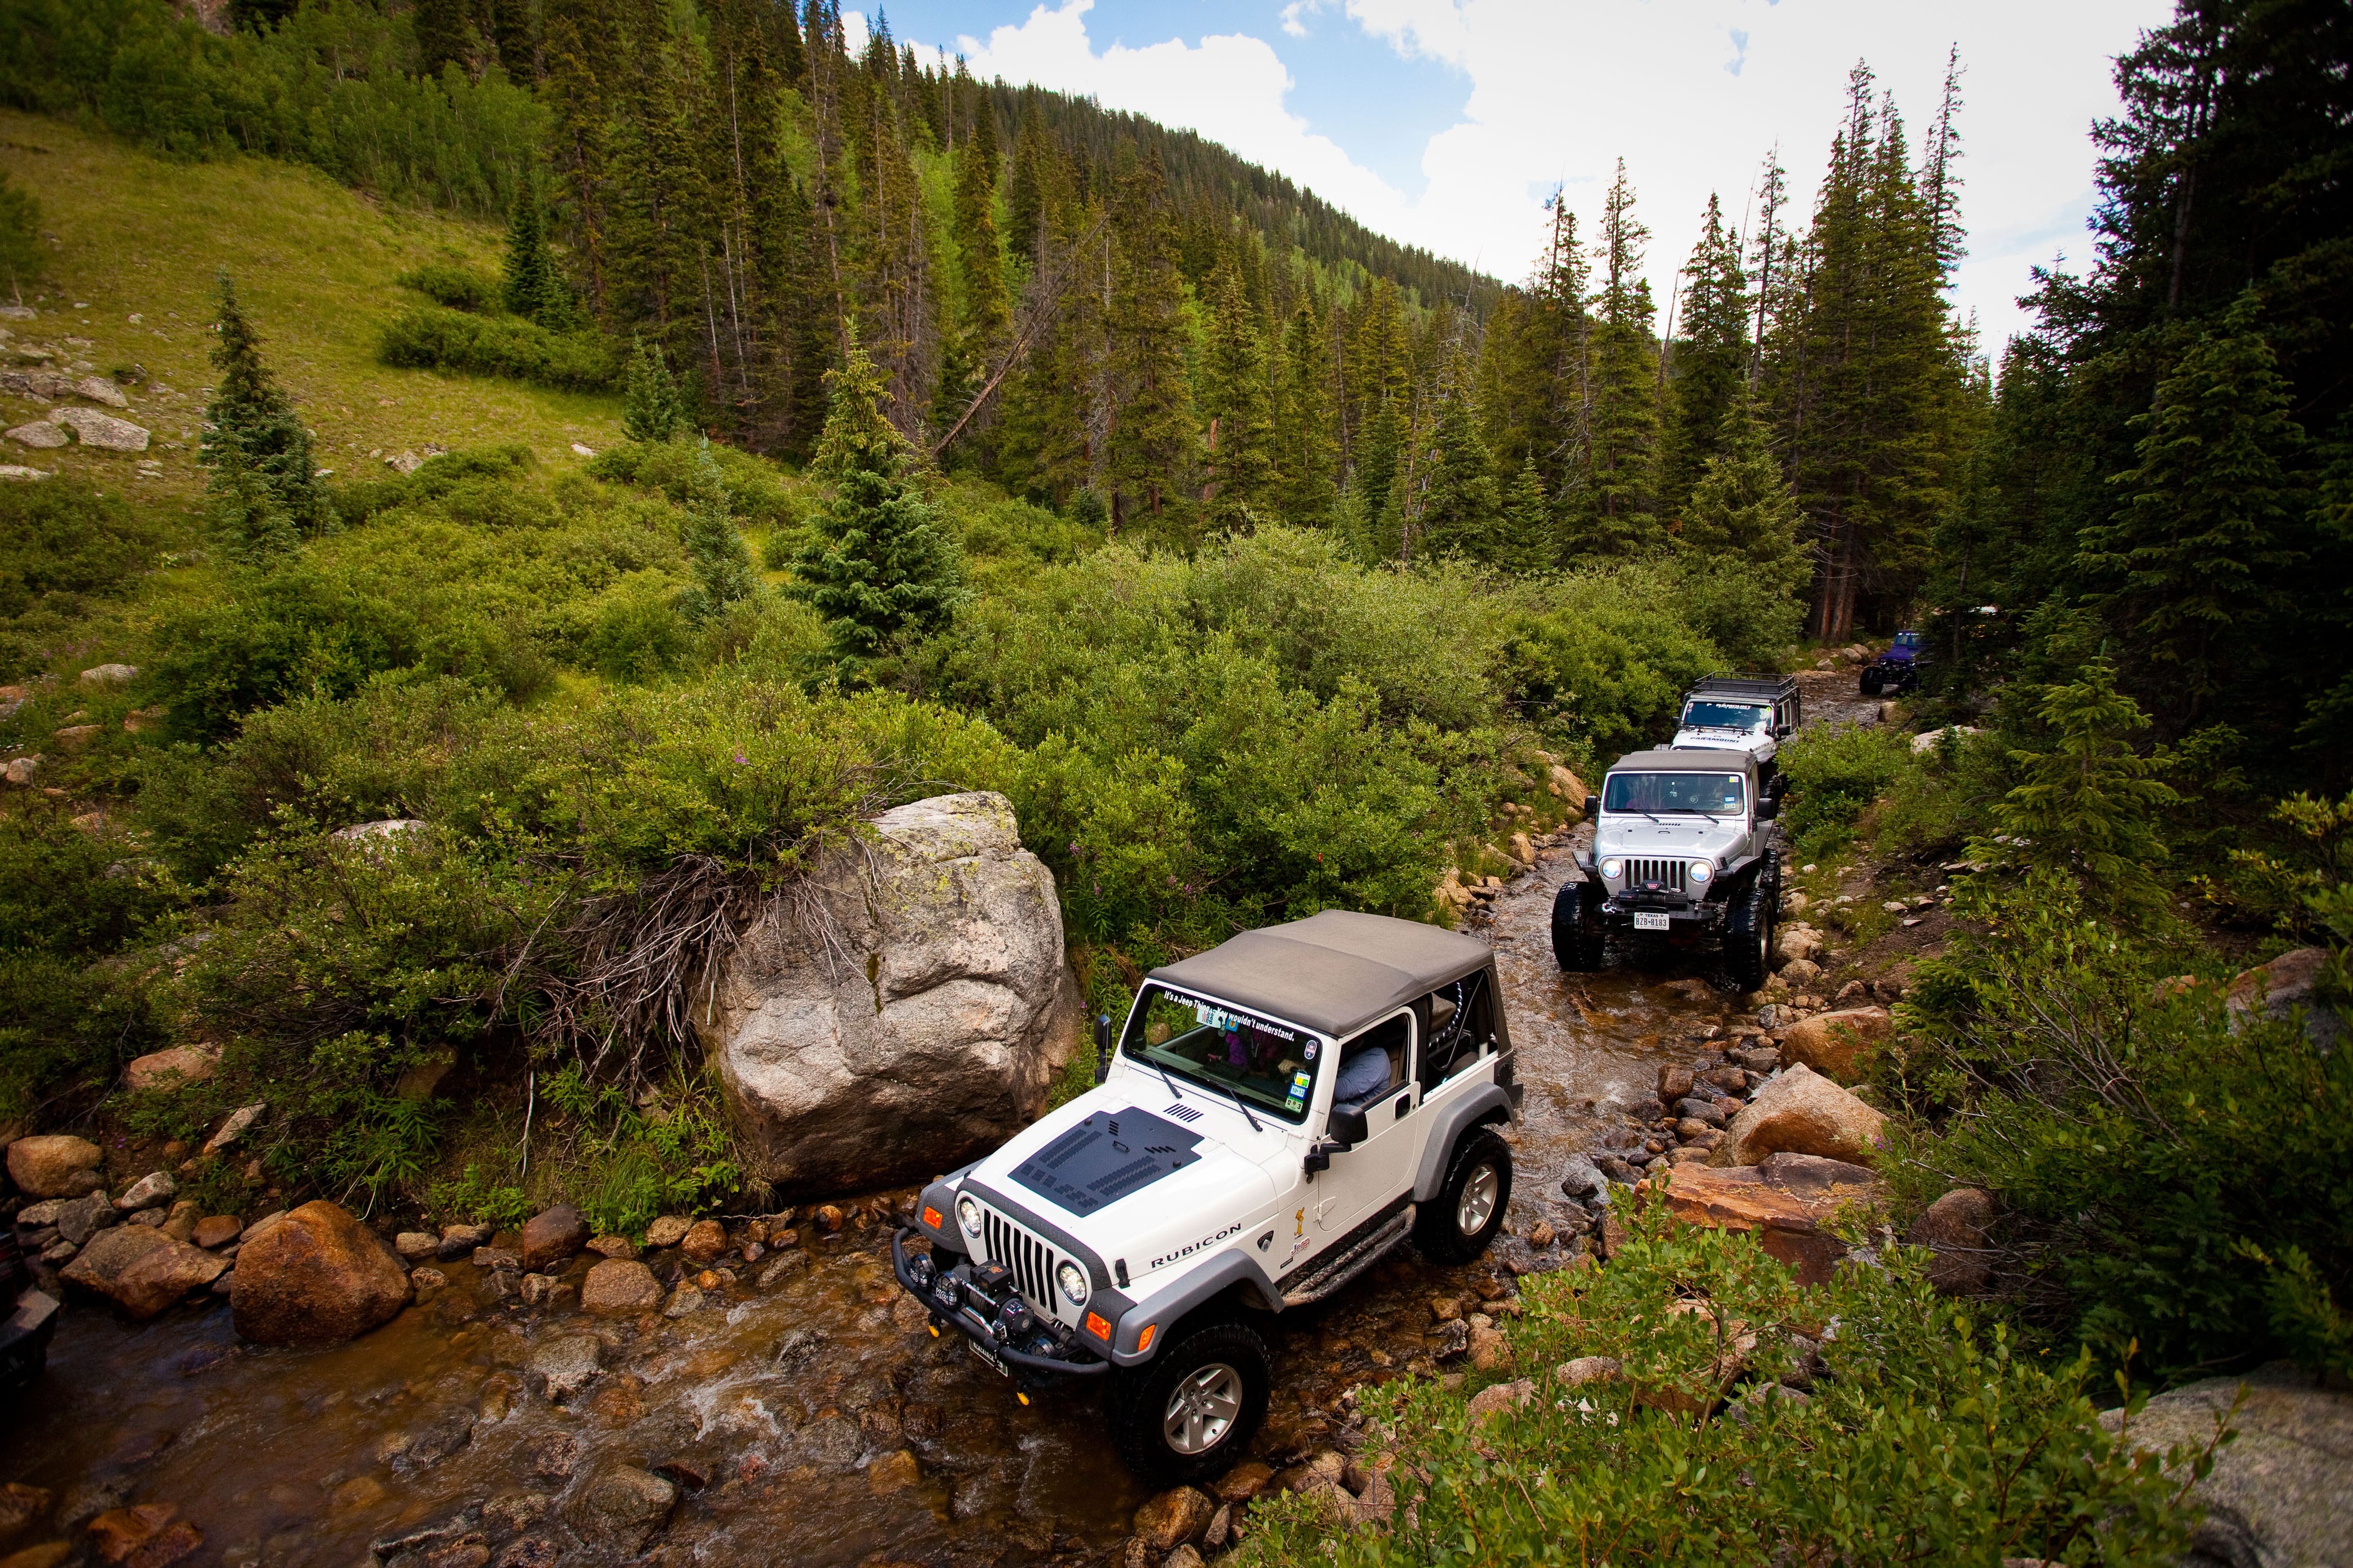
[[1681, 857], [1751, 713], [1281, 1113]]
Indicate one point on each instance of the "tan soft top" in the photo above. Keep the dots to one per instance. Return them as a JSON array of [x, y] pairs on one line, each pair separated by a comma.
[[1334, 972]]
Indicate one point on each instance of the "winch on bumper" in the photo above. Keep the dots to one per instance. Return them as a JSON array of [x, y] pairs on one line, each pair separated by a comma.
[[979, 1300]]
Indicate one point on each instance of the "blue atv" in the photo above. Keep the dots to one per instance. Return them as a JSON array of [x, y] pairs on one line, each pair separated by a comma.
[[1898, 669]]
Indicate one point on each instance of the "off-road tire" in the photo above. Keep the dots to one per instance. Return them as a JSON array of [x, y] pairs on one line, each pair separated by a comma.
[[1579, 942], [1143, 1399], [1749, 932], [1438, 1229], [1874, 683]]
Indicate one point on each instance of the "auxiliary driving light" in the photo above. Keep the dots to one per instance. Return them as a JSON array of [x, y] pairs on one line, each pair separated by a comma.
[[921, 1270], [968, 1217]]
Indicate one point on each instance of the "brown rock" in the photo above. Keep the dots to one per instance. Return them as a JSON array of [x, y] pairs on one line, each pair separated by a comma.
[[2278, 988], [141, 1270], [317, 1277], [1183, 1557], [181, 1224], [1493, 1400], [1588, 1369], [1790, 1224], [613, 1247], [667, 1231], [1675, 1083], [1174, 1517], [53, 1165], [178, 1067], [22, 1506], [620, 1285], [149, 1536], [1838, 1045], [47, 1555], [1244, 1481], [553, 1235], [1490, 1351], [416, 1245], [1954, 1229], [218, 1230], [1804, 1113], [893, 1472], [704, 1241]]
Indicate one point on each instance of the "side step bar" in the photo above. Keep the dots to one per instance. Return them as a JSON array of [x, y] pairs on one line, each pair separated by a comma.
[[1338, 1269]]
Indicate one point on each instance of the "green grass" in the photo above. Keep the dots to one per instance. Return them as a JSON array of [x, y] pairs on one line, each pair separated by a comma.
[[315, 265]]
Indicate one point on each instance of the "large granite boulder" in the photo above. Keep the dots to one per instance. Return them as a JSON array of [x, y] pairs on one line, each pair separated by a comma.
[[2289, 984], [53, 1165], [2276, 1496], [926, 1033], [1836, 1045], [1798, 1111], [1787, 1202], [316, 1276], [141, 1270]]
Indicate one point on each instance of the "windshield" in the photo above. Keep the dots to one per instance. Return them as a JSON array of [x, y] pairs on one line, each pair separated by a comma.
[[1907, 639], [1725, 716], [1715, 795], [1196, 1040]]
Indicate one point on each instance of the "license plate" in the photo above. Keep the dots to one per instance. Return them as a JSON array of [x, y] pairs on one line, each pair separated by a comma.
[[1645, 921], [981, 1353]]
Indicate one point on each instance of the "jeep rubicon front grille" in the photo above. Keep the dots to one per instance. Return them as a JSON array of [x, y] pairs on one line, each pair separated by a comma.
[[1668, 874], [1031, 1260]]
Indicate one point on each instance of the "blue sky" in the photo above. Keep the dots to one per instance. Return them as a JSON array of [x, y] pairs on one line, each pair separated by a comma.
[[1446, 122]]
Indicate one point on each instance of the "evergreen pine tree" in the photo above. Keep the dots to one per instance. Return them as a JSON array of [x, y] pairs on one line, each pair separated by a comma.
[[979, 257], [1742, 508], [882, 566], [1458, 505], [1151, 440], [1616, 507], [444, 31], [2196, 563], [1378, 461], [1306, 454], [1234, 399], [1710, 360], [534, 285], [1524, 537], [255, 449], [650, 407], [252, 527], [715, 550]]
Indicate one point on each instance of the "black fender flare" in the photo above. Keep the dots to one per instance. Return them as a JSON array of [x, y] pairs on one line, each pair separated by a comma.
[[1488, 1104], [1230, 1272]]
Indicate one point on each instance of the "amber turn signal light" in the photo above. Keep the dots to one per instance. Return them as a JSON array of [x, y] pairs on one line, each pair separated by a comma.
[[1098, 1327], [932, 1217], [1143, 1340]]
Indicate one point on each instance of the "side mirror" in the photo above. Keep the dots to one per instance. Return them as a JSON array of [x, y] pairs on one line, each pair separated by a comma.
[[1347, 1127], [1103, 1046], [1768, 809]]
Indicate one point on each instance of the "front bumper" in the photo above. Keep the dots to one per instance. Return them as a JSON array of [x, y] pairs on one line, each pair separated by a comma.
[[1686, 917], [954, 1299]]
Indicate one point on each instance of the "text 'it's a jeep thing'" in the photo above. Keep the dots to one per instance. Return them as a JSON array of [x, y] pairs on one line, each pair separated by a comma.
[[1279, 1113], [1681, 858]]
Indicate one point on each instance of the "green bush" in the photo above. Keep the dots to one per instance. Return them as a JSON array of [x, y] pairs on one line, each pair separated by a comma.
[[64, 545], [1835, 773], [457, 287], [2138, 1138], [758, 494], [432, 338], [1926, 1438]]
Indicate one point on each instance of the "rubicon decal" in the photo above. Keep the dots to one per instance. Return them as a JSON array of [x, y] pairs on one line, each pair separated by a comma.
[[1167, 1258]]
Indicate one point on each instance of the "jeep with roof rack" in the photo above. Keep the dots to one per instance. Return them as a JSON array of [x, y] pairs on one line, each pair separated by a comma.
[[1751, 713], [1681, 858], [1276, 1115]]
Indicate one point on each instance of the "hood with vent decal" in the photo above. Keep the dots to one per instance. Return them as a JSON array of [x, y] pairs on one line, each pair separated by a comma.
[[1084, 1163]]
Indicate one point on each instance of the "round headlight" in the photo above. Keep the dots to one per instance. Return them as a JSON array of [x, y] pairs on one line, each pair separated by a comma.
[[1072, 1280], [1611, 868], [968, 1217], [1700, 872]]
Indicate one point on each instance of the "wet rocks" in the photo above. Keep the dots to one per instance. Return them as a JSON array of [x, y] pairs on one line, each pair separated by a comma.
[[55, 1165], [1836, 1044], [620, 1285], [317, 1277], [1583, 1179], [1675, 1083], [1954, 1229], [704, 1241], [460, 1241], [937, 1042], [612, 1247], [416, 1245], [1786, 1205], [685, 1297], [152, 1535], [895, 1472], [560, 1368], [143, 1270], [1173, 1518], [623, 1506], [667, 1231], [216, 1230], [175, 1069], [553, 1235], [1802, 1113]]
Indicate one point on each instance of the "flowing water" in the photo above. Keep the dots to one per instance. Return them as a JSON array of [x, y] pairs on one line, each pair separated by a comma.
[[792, 1413]]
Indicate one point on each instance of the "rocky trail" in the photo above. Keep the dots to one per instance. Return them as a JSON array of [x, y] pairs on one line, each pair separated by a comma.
[[787, 1403]]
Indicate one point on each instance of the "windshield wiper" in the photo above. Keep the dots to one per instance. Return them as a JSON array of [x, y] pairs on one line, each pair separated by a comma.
[[1236, 1096]]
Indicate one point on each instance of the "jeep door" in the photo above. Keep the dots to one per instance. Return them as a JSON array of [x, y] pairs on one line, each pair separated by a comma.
[[1373, 1173]]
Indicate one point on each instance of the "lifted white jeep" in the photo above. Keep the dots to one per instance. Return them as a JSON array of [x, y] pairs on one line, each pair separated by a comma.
[[1281, 1113]]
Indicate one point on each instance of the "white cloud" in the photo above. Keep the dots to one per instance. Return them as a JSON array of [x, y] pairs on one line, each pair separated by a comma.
[[1559, 89]]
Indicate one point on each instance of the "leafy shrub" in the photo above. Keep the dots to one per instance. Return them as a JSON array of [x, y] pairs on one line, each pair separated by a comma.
[[63, 544], [356, 502], [432, 338], [460, 287], [2138, 1138], [757, 492], [1927, 1440], [1835, 771]]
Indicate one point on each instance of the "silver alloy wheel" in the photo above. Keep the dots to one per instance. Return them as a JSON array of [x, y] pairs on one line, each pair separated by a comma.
[[1202, 1408], [1478, 1200]]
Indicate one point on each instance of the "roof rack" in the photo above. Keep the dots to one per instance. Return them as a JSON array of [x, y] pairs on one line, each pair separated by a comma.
[[1759, 685]]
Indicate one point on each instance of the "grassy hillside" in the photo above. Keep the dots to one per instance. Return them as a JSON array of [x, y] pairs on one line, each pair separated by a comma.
[[138, 242]]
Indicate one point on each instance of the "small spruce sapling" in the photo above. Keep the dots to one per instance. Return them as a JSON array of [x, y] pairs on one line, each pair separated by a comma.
[[715, 549], [255, 449], [651, 409], [534, 285], [20, 238]]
